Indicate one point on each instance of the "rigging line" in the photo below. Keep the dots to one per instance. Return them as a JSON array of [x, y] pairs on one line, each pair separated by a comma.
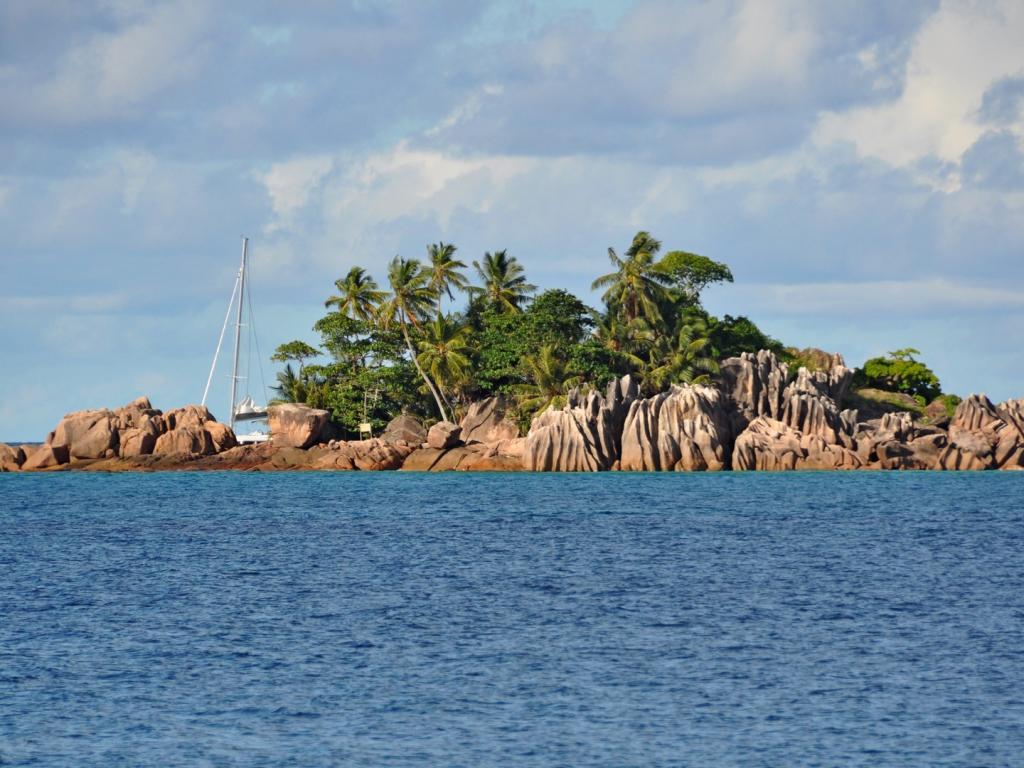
[[248, 347], [255, 336], [220, 341]]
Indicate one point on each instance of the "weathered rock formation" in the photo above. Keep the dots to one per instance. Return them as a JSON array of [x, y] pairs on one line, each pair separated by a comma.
[[684, 429], [11, 458], [759, 385], [769, 444], [759, 416], [444, 435], [984, 436], [298, 426], [46, 457], [404, 428], [753, 385], [583, 436], [87, 434], [501, 456], [136, 429], [487, 421]]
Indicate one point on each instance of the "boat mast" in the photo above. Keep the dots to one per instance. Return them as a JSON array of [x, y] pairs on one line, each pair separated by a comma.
[[220, 339], [238, 329]]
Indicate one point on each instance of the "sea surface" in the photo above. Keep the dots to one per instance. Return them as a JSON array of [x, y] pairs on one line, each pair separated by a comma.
[[389, 619]]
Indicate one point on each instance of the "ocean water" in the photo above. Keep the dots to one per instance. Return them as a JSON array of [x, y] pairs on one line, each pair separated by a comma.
[[387, 619]]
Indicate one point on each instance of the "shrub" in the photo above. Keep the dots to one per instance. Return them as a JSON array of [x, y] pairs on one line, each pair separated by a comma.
[[899, 372]]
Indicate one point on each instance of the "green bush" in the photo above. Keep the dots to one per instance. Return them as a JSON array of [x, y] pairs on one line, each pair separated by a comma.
[[900, 372]]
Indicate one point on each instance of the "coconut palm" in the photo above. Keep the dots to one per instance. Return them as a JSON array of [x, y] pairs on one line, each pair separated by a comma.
[[358, 295], [626, 340], [290, 386], [444, 271], [503, 281], [410, 301], [683, 359], [635, 287], [550, 380], [444, 352]]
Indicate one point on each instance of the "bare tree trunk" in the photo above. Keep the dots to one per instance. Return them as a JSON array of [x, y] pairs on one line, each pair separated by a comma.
[[423, 374]]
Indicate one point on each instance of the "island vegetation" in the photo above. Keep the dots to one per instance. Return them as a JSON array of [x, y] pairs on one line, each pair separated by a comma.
[[437, 334], [449, 366]]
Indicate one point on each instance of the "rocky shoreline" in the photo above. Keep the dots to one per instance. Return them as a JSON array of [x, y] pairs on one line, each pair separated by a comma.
[[758, 416]]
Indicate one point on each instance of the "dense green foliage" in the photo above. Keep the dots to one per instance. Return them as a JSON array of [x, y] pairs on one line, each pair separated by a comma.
[[899, 372], [409, 347], [691, 273]]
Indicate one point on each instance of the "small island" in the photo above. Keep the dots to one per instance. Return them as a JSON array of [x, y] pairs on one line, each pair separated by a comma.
[[521, 379]]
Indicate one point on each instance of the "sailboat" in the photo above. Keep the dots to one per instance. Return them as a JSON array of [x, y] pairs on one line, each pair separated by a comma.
[[246, 410]]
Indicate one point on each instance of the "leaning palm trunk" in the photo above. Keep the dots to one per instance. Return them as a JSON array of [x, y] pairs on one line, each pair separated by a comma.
[[423, 374]]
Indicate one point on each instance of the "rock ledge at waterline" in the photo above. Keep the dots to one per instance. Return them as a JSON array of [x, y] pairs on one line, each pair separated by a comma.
[[758, 416]]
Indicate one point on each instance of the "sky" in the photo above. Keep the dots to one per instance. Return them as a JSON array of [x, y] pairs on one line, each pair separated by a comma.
[[858, 165]]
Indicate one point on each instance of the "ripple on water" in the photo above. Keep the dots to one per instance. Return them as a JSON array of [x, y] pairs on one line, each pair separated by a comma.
[[313, 619]]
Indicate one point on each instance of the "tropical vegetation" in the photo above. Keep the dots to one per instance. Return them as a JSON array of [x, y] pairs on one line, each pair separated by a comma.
[[407, 344]]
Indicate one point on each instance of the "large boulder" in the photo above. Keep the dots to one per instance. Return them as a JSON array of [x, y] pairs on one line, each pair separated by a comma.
[[11, 458], [221, 435], [46, 456], [140, 414], [188, 416], [811, 413], [375, 454], [769, 444], [486, 421], [983, 436], [87, 434], [444, 435], [753, 385], [684, 429], [501, 456], [422, 459], [137, 442], [293, 425], [759, 385], [583, 436], [832, 382], [192, 439], [405, 428], [1012, 412]]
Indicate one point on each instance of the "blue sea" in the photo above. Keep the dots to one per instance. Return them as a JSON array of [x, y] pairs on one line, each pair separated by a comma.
[[389, 619]]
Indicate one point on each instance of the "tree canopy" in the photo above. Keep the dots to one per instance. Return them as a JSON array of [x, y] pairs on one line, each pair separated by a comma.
[[410, 347], [691, 273], [900, 371]]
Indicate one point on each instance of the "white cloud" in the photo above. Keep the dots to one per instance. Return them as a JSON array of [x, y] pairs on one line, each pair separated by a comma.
[[113, 74], [751, 49], [891, 298], [290, 184], [961, 50], [467, 109]]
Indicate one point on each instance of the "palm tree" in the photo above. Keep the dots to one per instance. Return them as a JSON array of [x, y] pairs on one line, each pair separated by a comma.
[[357, 296], [635, 287], [410, 301], [290, 386], [503, 281], [444, 353], [684, 360], [444, 271], [551, 380]]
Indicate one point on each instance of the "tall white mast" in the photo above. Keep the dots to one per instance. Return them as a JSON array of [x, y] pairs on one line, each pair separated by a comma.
[[238, 329]]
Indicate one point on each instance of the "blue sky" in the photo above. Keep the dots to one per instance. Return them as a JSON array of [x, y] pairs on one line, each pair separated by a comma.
[[860, 166]]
